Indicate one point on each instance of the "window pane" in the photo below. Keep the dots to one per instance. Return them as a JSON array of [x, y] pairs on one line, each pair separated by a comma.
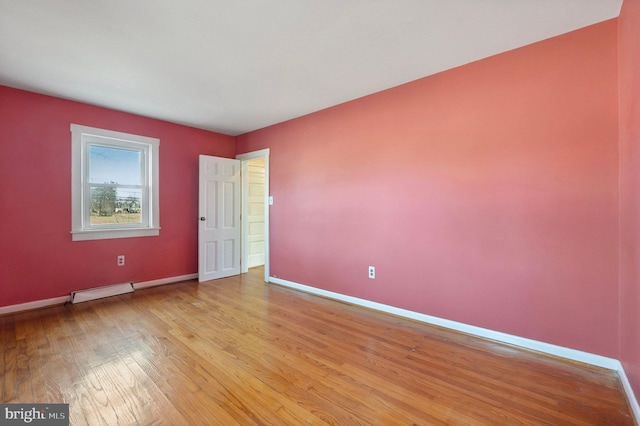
[[111, 205], [113, 165]]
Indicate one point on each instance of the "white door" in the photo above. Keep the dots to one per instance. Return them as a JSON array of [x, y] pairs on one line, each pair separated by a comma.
[[219, 224], [255, 212]]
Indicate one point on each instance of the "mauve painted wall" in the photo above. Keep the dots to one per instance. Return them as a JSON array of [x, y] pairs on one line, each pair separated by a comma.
[[38, 260], [487, 194], [629, 27]]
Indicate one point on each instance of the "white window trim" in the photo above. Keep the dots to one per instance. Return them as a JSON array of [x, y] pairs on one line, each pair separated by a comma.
[[80, 136]]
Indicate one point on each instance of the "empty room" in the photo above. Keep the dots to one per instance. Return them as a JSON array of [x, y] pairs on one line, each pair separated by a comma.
[[365, 212]]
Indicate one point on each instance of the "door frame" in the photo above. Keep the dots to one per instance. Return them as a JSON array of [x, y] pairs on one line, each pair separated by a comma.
[[244, 159]]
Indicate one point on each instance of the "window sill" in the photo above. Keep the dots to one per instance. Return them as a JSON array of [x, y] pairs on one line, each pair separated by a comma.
[[105, 234]]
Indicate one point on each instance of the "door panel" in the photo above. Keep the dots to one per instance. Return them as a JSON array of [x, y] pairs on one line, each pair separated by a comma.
[[219, 204], [211, 257]]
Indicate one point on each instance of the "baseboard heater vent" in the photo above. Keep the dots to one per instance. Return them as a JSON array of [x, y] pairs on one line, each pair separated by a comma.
[[100, 292]]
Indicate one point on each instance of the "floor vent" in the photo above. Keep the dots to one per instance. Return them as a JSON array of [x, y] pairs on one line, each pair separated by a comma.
[[100, 292]]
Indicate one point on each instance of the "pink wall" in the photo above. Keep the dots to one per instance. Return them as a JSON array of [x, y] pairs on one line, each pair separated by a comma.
[[629, 27], [487, 194], [39, 260]]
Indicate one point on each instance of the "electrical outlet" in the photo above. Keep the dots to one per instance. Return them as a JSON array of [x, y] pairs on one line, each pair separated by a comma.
[[121, 260], [372, 272]]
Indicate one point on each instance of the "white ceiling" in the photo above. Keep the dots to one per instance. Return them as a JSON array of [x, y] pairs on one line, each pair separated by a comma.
[[234, 66]]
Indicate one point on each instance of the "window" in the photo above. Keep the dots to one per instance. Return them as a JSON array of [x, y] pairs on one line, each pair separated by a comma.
[[114, 184]]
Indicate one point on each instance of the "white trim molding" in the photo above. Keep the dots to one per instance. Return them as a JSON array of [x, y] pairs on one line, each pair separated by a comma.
[[573, 354], [36, 304], [555, 350], [45, 303], [633, 401]]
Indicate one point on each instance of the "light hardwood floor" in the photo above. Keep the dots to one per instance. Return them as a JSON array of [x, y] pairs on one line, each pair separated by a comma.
[[238, 351]]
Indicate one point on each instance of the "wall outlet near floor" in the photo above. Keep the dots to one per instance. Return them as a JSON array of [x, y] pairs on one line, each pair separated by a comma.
[[372, 272], [121, 260]]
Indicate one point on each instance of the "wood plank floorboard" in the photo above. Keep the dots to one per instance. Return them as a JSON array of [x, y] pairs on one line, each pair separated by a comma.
[[239, 351]]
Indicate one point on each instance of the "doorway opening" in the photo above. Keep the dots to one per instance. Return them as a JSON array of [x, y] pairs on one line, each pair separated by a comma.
[[255, 210]]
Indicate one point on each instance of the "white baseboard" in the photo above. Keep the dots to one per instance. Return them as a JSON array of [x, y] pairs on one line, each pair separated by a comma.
[[633, 401], [560, 351], [573, 354], [37, 304]]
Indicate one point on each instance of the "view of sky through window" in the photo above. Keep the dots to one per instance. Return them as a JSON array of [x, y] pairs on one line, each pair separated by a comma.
[[107, 165]]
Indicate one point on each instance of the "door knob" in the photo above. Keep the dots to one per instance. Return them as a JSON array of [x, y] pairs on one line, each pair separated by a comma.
[[203, 218]]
